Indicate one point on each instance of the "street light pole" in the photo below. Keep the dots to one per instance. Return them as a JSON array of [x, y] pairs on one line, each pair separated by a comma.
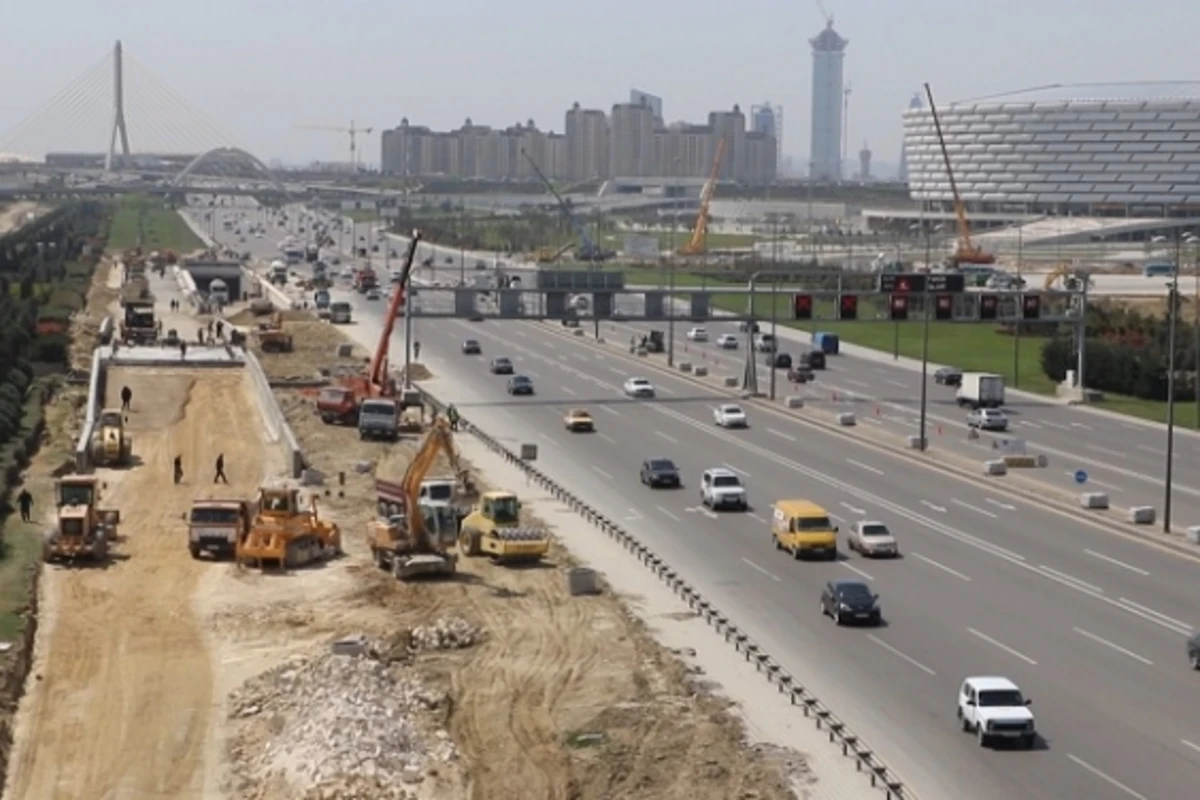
[[924, 366], [1173, 314], [1017, 329], [774, 326], [1196, 335], [671, 290]]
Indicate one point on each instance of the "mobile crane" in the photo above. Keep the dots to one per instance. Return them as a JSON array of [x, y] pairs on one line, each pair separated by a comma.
[[965, 251], [699, 240], [588, 250]]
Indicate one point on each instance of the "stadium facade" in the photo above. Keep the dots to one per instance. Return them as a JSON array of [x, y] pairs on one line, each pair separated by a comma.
[[1062, 156]]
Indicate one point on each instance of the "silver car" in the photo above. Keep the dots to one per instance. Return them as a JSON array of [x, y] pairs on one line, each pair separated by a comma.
[[872, 539]]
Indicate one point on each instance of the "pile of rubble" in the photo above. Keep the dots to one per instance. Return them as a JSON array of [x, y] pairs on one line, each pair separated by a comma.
[[314, 723], [357, 787], [453, 633]]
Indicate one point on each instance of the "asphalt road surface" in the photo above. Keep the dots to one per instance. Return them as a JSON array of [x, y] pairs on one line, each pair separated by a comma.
[[1091, 625]]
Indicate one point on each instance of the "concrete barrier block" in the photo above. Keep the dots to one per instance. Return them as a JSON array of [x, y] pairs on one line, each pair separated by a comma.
[[1043, 460], [577, 332], [1193, 534], [847, 419], [700, 372], [1141, 515], [916, 443], [794, 402], [685, 366], [641, 351], [1096, 500], [995, 468], [1020, 462], [730, 380]]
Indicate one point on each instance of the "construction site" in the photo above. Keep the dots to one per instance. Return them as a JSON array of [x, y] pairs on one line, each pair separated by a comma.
[[236, 599]]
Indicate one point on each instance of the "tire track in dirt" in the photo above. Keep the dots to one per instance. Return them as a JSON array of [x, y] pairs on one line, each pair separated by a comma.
[[122, 709]]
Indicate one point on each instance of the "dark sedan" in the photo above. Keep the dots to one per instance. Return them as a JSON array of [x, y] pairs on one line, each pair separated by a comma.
[[850, 601], [471, 347], [813, 359], [1193, 650], [948, 376], [662, 472], [502, 366], [519, 384]]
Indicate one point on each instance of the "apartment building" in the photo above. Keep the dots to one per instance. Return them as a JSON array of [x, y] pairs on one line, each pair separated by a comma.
[[632, 140], [588, 154], [472, 151]]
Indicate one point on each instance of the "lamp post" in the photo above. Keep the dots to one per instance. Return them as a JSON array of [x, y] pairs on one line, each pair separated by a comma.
[[1172, 320], [925, 344], [671, 287], [1196, 330], [1017, 329]]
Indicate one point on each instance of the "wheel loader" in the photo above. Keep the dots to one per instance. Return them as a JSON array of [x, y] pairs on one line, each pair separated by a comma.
[[493, 528], [284, 534], [111, 446], [81, 529]]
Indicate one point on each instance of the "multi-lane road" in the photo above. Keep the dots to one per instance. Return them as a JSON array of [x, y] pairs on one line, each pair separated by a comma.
[[1090, 624]]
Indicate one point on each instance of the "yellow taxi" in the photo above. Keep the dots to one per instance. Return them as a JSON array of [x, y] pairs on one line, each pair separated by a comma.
[[803, 528]]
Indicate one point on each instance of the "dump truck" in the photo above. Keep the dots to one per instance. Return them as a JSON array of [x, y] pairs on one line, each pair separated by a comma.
[[81, 530], [111, 446], [218, 527], [493, 528], [140, 325], [284, 534]]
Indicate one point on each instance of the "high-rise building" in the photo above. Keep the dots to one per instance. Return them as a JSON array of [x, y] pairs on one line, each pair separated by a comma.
[[768, 119], [631, 135], [730, 126], [587, 143], [828, 93], [639, 98], [913, 105], [864, 163]]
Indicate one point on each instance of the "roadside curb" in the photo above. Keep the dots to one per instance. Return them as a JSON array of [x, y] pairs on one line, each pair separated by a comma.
[[1111, 520], [880, 776]]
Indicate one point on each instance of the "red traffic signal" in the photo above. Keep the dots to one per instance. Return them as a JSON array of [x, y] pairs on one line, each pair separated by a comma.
[[848, 308], [1031, 306], [944, 309], [989, 306], [802, 306], [898, 307]]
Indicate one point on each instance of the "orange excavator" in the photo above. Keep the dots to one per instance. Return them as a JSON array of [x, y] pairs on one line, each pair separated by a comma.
[[965, 251]]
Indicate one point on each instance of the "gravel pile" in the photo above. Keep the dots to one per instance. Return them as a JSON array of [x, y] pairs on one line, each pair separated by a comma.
[[318, 722], [357, 787], [452, 633]]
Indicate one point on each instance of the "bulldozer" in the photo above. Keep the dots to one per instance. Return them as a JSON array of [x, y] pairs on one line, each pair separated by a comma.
[[81, 529], [493, 528], [284, 534], [111, 446], [411, 540], [271, 336]]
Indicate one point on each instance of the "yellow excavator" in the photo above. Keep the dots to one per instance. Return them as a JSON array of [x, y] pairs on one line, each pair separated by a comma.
[[1065, 276], [111, 446], [408, 540], [286, 535]]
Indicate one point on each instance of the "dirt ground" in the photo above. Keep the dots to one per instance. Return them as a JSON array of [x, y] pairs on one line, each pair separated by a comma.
[[13, 216]]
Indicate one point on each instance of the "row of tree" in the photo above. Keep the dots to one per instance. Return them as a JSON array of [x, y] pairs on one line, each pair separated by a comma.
[[45, 268], [1127, 353]]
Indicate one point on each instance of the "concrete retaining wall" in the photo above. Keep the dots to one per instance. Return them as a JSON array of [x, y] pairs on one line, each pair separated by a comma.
[[278, 429]]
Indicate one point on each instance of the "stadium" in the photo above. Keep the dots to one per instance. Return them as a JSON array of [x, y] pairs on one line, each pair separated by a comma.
[[1095, 151]]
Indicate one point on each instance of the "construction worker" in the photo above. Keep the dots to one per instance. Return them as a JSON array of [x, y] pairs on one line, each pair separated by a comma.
[[219, 477], [200, 335], [220, 329], [416, 351], [25, 503], [452, 416], [178, 469], [182, 350], [126, 398]]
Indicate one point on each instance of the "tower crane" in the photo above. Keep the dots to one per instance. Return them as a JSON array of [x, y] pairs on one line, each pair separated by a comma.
[[353, 131], [699, 240], [965, 251]]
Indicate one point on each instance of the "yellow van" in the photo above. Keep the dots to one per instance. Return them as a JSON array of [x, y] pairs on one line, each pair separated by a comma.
[[803, 528]]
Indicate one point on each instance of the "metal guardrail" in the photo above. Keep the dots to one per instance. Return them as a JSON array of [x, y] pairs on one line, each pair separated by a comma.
[[880, 775]]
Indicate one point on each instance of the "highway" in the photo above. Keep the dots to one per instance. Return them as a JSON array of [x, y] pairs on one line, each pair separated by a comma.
[[1091, 625]]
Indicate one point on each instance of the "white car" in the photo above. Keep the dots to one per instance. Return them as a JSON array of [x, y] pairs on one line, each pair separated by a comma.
[[987, 419], [722, 488], [994, 708], [698, 334], [872, 539], [730, 416], [765, 343], [639, 387], [727, 341]]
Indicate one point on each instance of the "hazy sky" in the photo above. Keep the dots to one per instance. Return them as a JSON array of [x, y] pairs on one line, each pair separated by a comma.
[[259, 67]]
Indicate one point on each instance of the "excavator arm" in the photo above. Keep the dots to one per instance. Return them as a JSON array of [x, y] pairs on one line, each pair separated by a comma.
[[379, 362], [585, 241], [438, 440], [966, 249]]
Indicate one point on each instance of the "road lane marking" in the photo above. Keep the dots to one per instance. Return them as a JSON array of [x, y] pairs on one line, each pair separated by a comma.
[[581, 356], [1002, 646], [872, 420], [1066, 577], [1192, 745], [700, 509], [756, 517], [662, 390], [781, 434], [1058, 425], [853, 509], [1117, 647], [606, 437], [757, 568], [976, 509], [612, 411], [940, 566], [897, 383], [853, 382], [634, 514], [1181, 626], [932, 506], [1107, 778], [617, 370], [855, 569], [894, 651], [1105, 450], [1005, 506], [1145, 448], [732, 468], [867, 467], [1109, 486], [836, 518], [532, 374], [567, 391], [1081, 425], [562, 357], [1030, 425], [668, 437], [1116, 562], [602, 472]]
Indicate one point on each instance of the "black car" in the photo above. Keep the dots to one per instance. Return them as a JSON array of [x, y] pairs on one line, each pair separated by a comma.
[[948, 376], [519, 384], [778, 360], [1193, 650], [813, 359], [748, 327], [502, 366], [660, 472], [470, 347], [850, 601]]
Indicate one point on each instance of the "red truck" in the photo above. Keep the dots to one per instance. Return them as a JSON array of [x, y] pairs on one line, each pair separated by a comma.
[[365, 279]]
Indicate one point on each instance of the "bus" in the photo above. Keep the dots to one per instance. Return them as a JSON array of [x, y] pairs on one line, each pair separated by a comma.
[[1158, 269]]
